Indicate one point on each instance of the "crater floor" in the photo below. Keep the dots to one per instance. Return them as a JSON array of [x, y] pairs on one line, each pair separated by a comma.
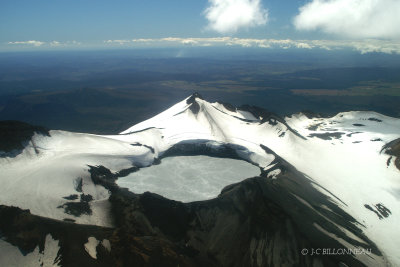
[[189, 178]]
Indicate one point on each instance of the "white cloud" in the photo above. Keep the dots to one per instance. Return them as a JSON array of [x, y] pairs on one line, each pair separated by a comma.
[[303, 45], [363, 46], [55, 43], [142, 40], [32, 42], [377, 46], [189, 42], [352, 18], [43, 45], [120, 42], [228, 16]]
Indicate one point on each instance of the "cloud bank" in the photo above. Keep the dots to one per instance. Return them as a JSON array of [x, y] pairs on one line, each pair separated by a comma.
[[352, 18], [31, 42], [36, 43], [363, 46], [228, 16]]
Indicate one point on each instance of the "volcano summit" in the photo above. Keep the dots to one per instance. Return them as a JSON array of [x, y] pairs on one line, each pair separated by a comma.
[[204, 184]]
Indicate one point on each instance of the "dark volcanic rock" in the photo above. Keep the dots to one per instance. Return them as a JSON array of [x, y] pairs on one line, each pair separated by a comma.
[[71, 197], [78, 183], [311, 115], [193, 97], [102, 175], [203, 147], [383, 210], [194, 107], [352, 133], [126, 172], [314, 127], [268, 117], [393, 148], [327, 136], [228, 106], [76, 208], [374, 119], [380, 210], [26, 231], [14, 135]]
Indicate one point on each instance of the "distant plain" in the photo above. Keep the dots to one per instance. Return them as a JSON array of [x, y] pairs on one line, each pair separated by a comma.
[[107, 91]]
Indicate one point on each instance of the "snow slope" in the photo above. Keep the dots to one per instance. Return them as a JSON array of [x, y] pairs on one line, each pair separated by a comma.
[[12, 256], [341, 155], [50, 169]]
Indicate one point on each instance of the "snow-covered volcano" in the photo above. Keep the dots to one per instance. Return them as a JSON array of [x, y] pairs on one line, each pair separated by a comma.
[[344, 170]]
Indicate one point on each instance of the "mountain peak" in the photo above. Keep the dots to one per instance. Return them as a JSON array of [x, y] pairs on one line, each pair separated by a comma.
[[193, 97], [194, 106]]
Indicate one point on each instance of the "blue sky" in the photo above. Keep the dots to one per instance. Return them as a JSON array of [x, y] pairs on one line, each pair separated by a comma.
[[89, 20], [52, 24], [120, 19]]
